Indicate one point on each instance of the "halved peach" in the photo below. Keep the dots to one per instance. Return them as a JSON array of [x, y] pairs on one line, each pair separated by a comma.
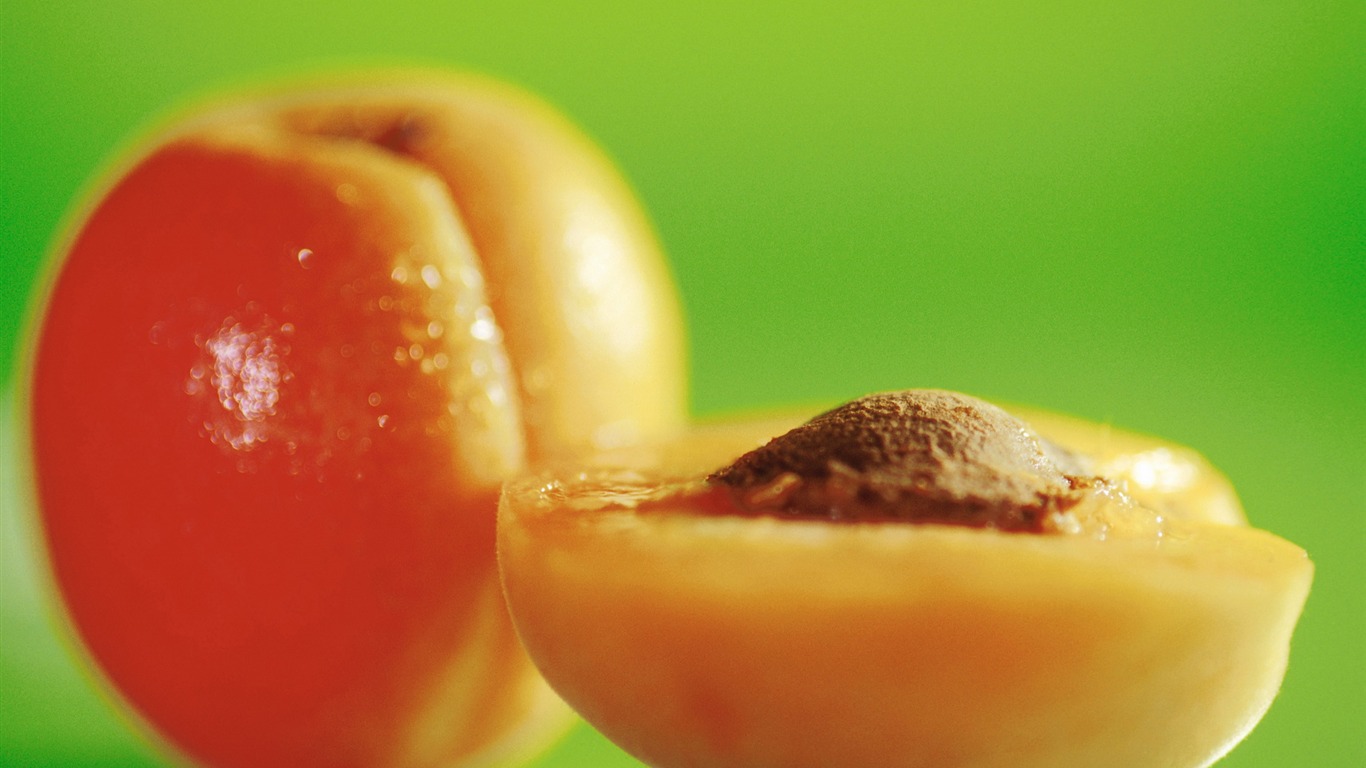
[[695, 631], [287, 359]]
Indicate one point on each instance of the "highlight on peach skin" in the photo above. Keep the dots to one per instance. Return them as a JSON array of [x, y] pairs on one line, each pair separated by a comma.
[[285, 361]]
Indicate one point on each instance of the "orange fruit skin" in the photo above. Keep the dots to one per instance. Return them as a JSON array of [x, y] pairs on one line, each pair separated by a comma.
[[692, 638], [275, 385]]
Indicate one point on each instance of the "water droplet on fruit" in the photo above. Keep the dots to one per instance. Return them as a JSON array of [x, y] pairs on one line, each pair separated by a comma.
[[483, 328], [382, 420], [347, 194], [399, 275], [431, 276], [435, 329], [470, 277], [386, 303], [537, 380], [1158, 470], [157, 333], [416, 351], [498, 395], [374, 399], [305, 255]]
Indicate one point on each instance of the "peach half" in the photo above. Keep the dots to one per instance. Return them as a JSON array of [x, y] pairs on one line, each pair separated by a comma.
[[287, 357], [1136, 622]]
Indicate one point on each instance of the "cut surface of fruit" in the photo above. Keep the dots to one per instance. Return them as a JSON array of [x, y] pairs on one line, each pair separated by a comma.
[[286, 362], [694, 632]]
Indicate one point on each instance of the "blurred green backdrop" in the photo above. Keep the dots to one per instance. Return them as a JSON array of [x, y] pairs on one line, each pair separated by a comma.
[[1152, 215]]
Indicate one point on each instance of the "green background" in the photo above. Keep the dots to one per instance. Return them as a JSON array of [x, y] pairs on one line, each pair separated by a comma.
[[1152, 215]]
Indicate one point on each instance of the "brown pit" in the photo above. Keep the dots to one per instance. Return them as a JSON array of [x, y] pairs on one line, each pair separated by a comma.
[[921, 456]]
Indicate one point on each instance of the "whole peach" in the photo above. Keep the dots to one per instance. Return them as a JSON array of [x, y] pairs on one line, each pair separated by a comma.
[[285, 361]]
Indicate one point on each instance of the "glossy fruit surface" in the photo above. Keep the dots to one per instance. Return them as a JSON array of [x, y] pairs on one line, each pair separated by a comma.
[[693, 635], [284, 366]]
